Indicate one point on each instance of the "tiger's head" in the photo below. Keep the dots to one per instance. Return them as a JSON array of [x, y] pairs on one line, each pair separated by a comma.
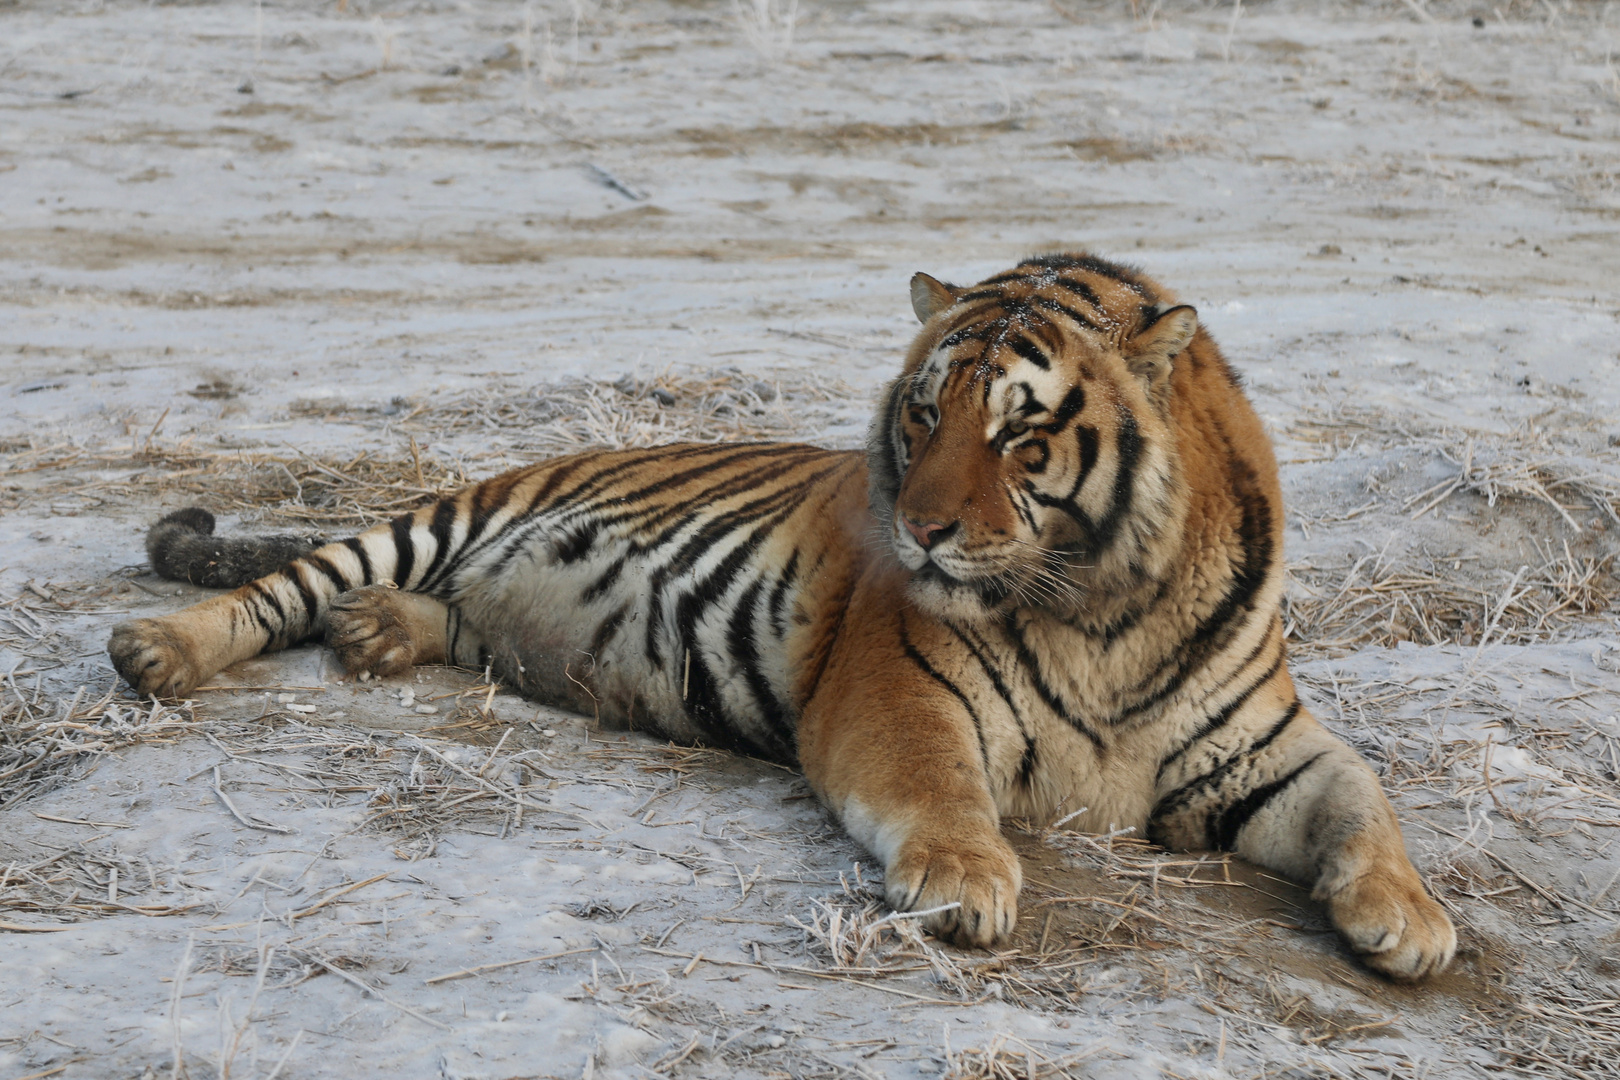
[[1026, 455]]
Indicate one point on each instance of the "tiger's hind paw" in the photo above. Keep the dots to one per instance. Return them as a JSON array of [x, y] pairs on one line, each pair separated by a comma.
[[1397, 928], [153, 659], [979, 874], [370, 632]]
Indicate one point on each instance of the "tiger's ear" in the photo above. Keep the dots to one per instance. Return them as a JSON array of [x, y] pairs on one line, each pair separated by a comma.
[[1151, 352], [930, 296]]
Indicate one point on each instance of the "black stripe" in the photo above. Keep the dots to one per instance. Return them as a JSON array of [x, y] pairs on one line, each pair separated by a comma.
[[333, 574], [1182, 796], [605, 631], [1065, 310], [604, 581], [1029, 663], [1220, 719], [743, 645], [928, 669], [1082, 290], [1020, 504], [673, 517], [712, 531], [305, 593], [1102, 267], [1224, 828], [355, 545], [1073, 401], [575, 543], [270, 598], [702, 703], [790, 574], [578, 501], [1029, 351], [404, 550], [958, 337], [1006, 276], [273, 631], [1026, 766], [1212, 633], [981, 294], [442, 527], [996, 681], [1128, 445], [1127, 619]]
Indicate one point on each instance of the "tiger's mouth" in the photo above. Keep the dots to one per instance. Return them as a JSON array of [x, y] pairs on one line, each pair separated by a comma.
[[1053, 581], [993, 591]]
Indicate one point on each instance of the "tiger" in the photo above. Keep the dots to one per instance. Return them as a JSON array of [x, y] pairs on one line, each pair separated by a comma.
[[1048, 588]]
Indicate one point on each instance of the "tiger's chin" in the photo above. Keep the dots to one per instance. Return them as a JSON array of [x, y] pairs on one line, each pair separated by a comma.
[[944, 596]]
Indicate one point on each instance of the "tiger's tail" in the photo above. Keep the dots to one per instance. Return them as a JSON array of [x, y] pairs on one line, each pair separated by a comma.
[[182, 546]]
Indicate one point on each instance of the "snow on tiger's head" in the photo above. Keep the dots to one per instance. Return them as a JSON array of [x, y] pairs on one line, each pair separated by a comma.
[[1026, 451]]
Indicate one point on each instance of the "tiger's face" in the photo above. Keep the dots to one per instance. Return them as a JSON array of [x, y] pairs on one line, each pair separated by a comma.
[[1026, 453]]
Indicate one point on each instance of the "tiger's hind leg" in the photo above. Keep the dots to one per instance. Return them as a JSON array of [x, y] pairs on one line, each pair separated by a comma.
[[378, 631]]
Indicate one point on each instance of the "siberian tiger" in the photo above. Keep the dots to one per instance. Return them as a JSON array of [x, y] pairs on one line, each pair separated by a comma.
[[1051, 582]]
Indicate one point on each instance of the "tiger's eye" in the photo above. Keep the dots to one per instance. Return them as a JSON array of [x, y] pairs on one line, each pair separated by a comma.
[[1017, 428]]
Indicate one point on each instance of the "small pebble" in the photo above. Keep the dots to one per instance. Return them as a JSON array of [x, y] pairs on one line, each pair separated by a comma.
[[427, 709], [550, 733], [285, 698], [302, 710]]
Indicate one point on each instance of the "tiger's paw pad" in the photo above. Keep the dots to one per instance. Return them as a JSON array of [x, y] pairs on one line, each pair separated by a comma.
[[369, 633], [981, 876], [1398, 929], [153, 659]]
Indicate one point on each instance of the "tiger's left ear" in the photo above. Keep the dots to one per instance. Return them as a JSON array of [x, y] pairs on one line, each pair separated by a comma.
[[1150, 353], [930, 296]]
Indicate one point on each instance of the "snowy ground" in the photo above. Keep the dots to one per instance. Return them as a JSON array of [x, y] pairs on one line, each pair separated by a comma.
[[232, 234]]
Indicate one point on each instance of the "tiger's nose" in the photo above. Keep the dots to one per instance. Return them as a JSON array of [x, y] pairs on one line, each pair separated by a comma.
[[925, 534]]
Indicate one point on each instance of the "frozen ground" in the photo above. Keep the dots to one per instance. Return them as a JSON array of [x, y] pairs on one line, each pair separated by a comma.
[[301, 260]]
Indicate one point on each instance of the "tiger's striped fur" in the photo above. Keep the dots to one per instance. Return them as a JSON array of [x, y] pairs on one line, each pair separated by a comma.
[[1051, 583]]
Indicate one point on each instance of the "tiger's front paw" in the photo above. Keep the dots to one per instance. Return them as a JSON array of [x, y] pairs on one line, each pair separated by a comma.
[[979, 873], [369, 633], [1396, 927], [154, 659]]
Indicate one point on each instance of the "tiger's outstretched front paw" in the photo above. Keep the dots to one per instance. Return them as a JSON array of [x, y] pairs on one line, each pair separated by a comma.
[[1396, 927], [154, 659], [370, 631], [978, 872]]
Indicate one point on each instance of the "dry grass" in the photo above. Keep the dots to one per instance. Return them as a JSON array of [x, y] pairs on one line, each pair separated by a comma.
[[1563, 462], [579, 413], [1009, 1058], [562, 417], [288, 487], [1560, 459], [1380, 600], [45, 738]]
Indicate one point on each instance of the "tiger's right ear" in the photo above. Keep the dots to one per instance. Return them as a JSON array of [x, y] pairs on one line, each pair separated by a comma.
[[930, 296]]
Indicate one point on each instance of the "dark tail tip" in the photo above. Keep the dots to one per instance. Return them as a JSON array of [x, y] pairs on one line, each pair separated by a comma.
[[182, 547]]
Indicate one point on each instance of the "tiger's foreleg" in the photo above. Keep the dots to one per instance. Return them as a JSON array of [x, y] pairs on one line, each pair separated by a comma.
[[896, 757], [1291, 797]]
